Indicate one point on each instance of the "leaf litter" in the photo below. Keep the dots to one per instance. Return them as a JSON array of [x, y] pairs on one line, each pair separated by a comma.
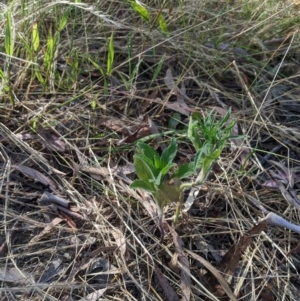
[[69, 218]]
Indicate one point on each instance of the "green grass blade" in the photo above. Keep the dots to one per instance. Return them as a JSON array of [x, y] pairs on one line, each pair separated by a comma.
[[35, 37], [163, 24], [9, 46], [48, 58], [141, 10], [64, 20], [157, 69], [111, 54]]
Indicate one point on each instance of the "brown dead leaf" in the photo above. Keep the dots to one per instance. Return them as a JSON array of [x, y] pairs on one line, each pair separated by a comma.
[[19, 136], [86, 261], [36, 175], [47, 230], [179, 106], [169, 81], [48, 198], [53, 269], [102, 172], [173, 264], [25, 136], [14, 230], [67, 219], [120, 240], [165, 285], [15, 275], [154, 130], [295, 250], [286, 176], [51, 140], [185, 267], [230, 260], [71, 212], [288, 193], [121, 125], [139, 133], [94, 296], [215, 273]]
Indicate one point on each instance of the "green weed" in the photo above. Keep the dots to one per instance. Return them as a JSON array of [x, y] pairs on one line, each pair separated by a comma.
[[161, 176]]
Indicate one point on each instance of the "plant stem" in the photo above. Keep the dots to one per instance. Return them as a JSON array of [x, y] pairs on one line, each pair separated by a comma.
[[199, 181], [177, 213]]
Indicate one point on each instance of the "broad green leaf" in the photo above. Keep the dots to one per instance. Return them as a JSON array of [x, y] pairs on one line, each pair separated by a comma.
[[174, 121], [185, 170], [9, 44], [168, 193], [150, 153], [167, 168], [35, 37], [147, 160], [143, 169], [159, 179], [140, 184], [169, 153], [111, 54], [141, 10], [163, 24]]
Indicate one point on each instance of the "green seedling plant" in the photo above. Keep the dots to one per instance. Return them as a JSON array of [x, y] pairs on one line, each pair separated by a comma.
[[9, 49], [163, 178]]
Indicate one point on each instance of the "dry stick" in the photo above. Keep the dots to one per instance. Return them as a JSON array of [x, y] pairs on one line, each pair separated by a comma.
[[272, 218], [275, 220], [48, 198]]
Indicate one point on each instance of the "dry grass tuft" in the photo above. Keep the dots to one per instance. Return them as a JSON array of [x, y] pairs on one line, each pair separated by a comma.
[[76, 79]]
